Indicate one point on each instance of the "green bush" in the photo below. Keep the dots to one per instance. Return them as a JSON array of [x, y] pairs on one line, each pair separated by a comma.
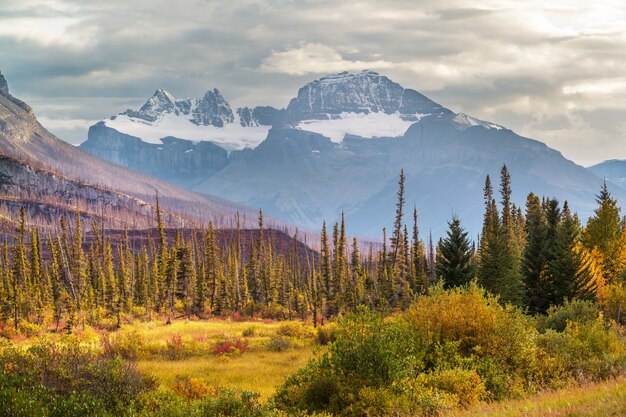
[[577, 311], [586, 351], [451, 349], [249, 331], [278, 344], [69, 377]]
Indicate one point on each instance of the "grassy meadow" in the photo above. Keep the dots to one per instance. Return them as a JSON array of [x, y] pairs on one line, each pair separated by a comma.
[[186, 349], [453, 353], [258, 369]]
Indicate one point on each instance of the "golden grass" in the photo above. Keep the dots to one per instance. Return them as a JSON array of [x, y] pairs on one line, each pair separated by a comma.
[[602, 399], [257, 371]]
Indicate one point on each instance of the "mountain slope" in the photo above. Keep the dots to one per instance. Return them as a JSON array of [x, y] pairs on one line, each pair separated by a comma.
[[340, 144], [40, 168]]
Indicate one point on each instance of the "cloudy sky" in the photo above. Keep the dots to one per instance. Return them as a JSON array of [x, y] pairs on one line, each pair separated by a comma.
[[550, 70]]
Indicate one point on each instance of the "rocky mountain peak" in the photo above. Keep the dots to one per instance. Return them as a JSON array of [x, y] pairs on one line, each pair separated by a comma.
[[160, 102], [362, 92], [213, 109], [4, 87]]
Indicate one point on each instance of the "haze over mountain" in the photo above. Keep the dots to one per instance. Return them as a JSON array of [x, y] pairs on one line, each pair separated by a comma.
[[613, 170], [51, 177], [339, 145]]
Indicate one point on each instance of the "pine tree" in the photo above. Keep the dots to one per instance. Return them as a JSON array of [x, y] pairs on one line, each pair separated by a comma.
[[570, 269], [20, 273], [325, 265], [534, 263], [512, 289], [604, 233], [454, 256], [419, 263], [491, 244]]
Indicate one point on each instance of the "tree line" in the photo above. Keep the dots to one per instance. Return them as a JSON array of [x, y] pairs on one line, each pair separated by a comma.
[[533, 258]]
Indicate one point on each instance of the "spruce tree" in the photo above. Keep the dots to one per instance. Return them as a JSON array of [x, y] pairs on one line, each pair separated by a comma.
[[454, 256], [533, 262], [604, 233]]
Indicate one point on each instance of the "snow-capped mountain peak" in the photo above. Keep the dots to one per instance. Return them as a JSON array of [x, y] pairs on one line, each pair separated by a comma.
[[362, 92], [212, 110], [208, 119]]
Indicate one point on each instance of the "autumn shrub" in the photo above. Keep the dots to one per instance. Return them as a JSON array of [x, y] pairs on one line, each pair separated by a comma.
[[230, 347], [175, 348], [7, 331], [586, 351], [278, 344], [128, 345], [296, 330], [193, 388], [465, 387], [28, 329], [327, 333]]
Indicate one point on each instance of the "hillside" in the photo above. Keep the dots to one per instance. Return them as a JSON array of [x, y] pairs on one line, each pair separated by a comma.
[[54, 177]]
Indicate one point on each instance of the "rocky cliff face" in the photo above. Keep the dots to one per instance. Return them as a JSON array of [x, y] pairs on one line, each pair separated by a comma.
[[175, 160], [46, 196], [4, 87]]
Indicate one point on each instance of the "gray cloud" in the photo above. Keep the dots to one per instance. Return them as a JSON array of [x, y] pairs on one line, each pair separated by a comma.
[[552, 72]]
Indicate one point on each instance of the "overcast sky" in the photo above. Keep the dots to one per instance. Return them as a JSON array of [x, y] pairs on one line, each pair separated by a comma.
[[551, 70]]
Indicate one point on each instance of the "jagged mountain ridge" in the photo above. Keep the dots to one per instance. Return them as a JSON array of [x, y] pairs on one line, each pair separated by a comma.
[[52, 176], [341, 142]]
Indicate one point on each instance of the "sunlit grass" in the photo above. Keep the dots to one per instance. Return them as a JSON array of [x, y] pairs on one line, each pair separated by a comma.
[[257, 371], [593, 400]]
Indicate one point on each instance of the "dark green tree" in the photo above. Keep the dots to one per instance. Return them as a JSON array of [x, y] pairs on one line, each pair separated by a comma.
[[454, 256]]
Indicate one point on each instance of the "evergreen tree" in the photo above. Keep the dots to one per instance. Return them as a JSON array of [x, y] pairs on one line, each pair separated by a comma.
[[570, 270], [454, 256], [534, 263], [512, 289], [604, 233]]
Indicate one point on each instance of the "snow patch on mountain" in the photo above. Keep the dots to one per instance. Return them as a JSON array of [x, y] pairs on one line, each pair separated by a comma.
[[464, 121], [366, 125], [232, 136]]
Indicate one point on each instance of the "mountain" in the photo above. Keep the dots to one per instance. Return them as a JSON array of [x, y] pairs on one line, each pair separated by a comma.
[[613, 170], [181, 141], [340, 144], [51, 177]]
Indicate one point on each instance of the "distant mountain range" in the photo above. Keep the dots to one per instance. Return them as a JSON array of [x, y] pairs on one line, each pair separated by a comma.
[[51, 178], [613, 170], [339, 145]]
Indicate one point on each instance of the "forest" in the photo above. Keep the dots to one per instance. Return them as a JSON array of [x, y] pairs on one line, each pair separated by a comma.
[[406, 326]]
